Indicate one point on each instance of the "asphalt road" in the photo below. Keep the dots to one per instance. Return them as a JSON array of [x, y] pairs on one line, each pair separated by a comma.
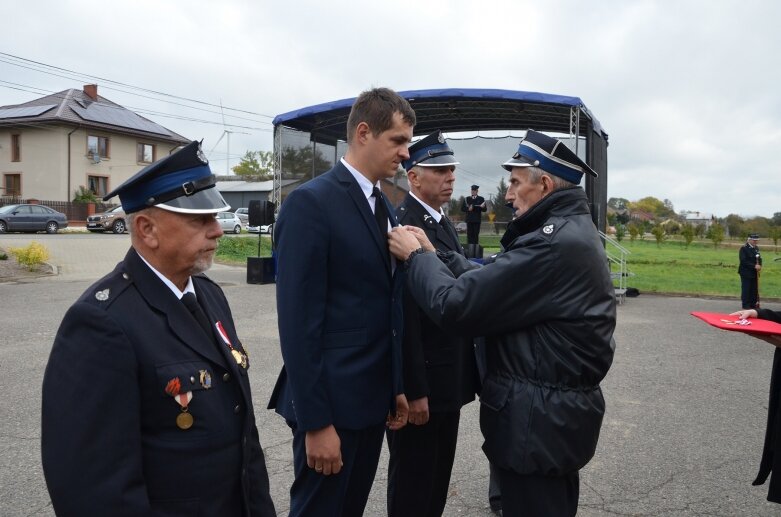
[[682, 434]]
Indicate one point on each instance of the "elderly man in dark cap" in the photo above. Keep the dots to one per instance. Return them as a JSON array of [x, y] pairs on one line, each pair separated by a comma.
[[749, 268], [440, 374], [146, 400], [547, 308]]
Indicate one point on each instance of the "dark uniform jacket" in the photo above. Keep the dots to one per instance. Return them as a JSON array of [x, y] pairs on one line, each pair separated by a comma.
[[771, 458], [438, 363], [110, 442], [547, 308], [749, 258], [475, 214]]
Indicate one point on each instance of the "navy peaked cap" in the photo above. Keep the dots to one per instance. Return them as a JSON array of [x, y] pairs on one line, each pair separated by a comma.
[[550, 155], [431, 151], [753, 236], [180, 182], [475, 187]]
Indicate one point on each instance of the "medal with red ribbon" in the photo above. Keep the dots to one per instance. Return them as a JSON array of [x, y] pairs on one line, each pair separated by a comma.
[[184, 420], [239, 357]]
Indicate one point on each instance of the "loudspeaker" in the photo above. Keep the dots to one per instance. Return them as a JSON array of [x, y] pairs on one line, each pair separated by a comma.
[[261, 213], [261, 270], [473, 251]]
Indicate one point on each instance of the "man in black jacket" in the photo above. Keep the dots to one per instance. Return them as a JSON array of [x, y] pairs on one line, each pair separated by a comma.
[[547, 308], [147, 408], [474, 206], [749, 268], [440, 374]]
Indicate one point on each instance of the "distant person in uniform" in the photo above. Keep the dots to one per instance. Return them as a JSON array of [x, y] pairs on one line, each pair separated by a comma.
[[474, 206], [547, 308], [147, 408], [749, 268], [440, 374], [340, 314]]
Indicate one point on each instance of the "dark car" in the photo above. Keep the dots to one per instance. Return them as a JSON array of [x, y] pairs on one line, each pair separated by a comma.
[[31, 218], [113, 220]]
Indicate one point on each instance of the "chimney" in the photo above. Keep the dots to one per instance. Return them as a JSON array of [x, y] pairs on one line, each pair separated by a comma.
[[92, 91]]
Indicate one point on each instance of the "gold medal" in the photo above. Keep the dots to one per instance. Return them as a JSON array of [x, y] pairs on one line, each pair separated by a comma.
[[240, 358], [184, 420]]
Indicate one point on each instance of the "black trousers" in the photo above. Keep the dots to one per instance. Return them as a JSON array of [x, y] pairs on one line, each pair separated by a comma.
[[421, 459], [473, 233], [343, 494], [749, 292], [538, 496]]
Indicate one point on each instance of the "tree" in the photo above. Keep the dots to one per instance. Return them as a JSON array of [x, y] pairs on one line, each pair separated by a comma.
[[776, 219], [716, 234], [617, 203], [297, 161], [735, 225], [774, 232], [503, 214], [258, 165], [634, 231], [658, 232], [653, 206], [688, 234], [620, 232]]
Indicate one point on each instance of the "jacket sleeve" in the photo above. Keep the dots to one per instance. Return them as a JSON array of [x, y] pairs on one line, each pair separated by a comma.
[[415, 383], [90, 425], [302, 254]]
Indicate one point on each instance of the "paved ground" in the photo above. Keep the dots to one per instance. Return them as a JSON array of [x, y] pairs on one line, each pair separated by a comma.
[[682, 434]]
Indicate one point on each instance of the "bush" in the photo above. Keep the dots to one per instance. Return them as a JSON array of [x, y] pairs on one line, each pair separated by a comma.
[[32, 255], [3, 256]]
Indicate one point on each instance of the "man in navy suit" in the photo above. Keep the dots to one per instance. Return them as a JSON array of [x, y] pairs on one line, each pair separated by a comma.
[[440, 374], [146, 398], [340, 315]]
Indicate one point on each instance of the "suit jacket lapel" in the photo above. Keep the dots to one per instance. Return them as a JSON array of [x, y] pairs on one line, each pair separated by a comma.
[[160, 297], [362, 204]]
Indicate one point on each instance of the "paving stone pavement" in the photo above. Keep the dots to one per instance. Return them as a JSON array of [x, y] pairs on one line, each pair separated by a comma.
[[686, 403]]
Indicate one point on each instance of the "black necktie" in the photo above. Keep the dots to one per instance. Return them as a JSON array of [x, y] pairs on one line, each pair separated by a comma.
[[381, 216], [196, 310], [448, 226]]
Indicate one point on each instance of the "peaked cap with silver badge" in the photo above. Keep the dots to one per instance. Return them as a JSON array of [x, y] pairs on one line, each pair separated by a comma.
[[550, 155], [431, 151], [181, 182]]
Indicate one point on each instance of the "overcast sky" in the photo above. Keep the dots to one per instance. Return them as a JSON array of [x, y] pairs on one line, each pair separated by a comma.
[[688, 91]]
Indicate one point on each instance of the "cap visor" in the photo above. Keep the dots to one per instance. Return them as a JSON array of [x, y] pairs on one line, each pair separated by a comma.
[[439, 161], [206, 201], [516, 162]]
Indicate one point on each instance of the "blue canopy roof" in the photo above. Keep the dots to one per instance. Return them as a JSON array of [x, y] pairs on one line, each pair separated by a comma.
[[454, 109]]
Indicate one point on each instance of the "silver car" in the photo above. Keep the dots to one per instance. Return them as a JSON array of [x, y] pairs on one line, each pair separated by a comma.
[[229, 222], [243, 215]]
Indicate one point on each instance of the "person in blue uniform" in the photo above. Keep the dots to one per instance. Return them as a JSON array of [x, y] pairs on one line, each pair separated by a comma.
[[147, 409], [749, 268], [340, 314], [473, 206], [440, 374], [546, 306]]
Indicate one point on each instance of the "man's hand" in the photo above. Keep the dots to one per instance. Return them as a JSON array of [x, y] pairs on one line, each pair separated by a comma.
[[398, 418], [324, 451], [420, 235], [418, 411], [744, 314], [402, 242], [758, 267]]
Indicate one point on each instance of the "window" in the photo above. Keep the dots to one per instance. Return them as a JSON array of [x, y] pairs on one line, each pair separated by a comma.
[[16, 148], [97, 145], [98, 185], [12, 184], [145, 153]]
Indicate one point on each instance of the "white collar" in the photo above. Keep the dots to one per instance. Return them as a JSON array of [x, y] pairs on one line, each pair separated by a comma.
[[436, 214], [189, 288], [363, 182]]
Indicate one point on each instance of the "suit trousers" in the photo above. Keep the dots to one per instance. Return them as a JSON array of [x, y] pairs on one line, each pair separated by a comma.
[[421, 459], [538, 496], [344, 494], [748, 292], [473, 233]]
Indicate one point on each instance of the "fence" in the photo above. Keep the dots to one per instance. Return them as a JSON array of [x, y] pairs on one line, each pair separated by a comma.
[[73, 211]]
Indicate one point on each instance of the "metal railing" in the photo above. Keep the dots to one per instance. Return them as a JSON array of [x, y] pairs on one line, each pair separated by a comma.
[[616, 258]]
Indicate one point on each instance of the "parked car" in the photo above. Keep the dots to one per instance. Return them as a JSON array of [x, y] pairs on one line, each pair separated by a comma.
[[113, 220], [31, 218], [265, 228], [229, 222], [461, 227], [243, 215]]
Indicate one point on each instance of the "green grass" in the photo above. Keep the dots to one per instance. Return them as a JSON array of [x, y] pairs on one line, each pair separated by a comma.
[[699, 270], [235, 250]]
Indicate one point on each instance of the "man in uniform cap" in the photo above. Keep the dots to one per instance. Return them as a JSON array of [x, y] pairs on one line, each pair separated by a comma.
[[440, 374], [474, 206], [146, 400], [546, 305], [749, 268]]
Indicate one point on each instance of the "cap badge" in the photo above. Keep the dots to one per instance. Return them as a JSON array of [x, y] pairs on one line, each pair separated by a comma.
[[201, 156], [102, 296], [547, 229], [440, 138]]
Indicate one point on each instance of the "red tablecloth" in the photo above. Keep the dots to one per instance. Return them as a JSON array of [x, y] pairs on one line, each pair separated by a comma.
[[727, 322]]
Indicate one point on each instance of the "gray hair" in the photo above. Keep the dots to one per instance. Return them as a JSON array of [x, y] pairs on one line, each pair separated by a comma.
[[535, 175]]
